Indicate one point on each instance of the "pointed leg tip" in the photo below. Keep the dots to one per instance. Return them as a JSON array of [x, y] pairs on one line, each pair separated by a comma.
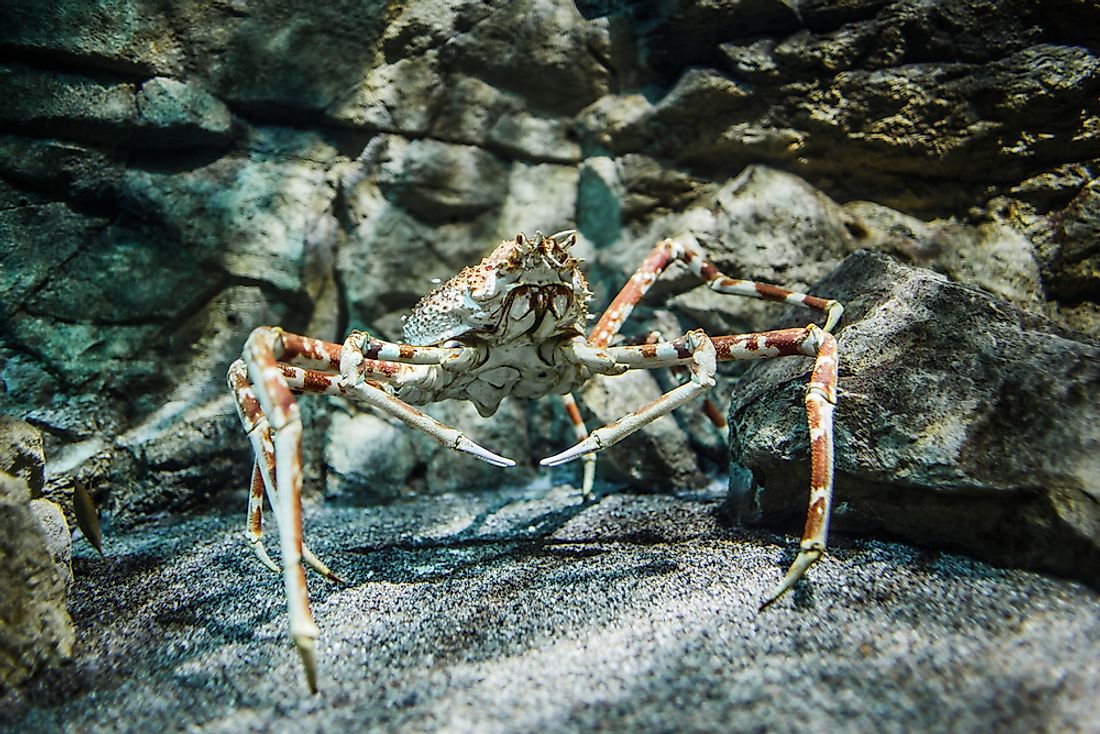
[[264, 558], [802, 562], [307, 649], [321, 567]]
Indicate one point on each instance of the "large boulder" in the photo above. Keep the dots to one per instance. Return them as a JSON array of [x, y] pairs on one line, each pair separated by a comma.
[[963, 422]]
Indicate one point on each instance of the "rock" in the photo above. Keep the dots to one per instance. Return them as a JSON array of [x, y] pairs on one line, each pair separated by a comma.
[[21, 453], [438, 182], [163, 113], [182, 114], [397, 97], [73, 105], [963, 422], [1072, 265], [541, 49], [35, 629], [118, 37], [58, 538], [172, 177], [367, 459]]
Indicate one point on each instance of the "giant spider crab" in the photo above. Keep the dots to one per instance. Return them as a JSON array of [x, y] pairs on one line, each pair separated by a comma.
[[512, 325]]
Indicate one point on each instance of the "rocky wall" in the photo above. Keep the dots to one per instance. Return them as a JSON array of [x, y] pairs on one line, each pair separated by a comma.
[[174, 174]]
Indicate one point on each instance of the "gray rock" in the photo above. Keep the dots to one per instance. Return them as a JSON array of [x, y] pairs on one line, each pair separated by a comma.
[[367, 459], [36, 632], [438, 182], [58, 538], [182, 113], [963, 422], [162, 113], [72, 105], [1072, 265], [21, 454], [541, 49], [397, 97], [119, 36]]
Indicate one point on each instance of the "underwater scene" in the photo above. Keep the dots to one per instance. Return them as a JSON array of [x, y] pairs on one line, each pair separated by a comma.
[[608, 365]]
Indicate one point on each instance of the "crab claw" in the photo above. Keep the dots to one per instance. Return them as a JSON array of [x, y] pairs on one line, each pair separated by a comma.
[[588, 445], [467, 446]]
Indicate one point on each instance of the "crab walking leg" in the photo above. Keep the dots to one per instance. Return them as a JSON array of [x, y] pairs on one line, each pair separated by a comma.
[[812, 341], [691, 254], [259, 433], [264, 445], [581, 431], [820, 402], [447, 436], [251, 416], [255, 517], [284, 416], [371, 348], [702, 363]]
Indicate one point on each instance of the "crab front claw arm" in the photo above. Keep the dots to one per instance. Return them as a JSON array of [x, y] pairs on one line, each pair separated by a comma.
[[702, 364], [447, 436]]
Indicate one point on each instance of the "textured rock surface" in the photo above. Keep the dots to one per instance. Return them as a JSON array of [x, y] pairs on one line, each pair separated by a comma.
[[21, 453], [35, 629], [173, 175], [497, 612], [963, 422], [58, 538]]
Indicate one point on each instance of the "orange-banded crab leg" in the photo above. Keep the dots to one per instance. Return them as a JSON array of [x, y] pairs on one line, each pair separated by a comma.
[[263, 466], [264, 387], [695, 348], [581, 431], [261, 354], [668, 250], [820, 401], [362, 345], [355, 353], [737, 347]]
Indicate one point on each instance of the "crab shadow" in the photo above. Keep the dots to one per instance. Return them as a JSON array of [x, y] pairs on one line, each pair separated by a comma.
[[492, 538]]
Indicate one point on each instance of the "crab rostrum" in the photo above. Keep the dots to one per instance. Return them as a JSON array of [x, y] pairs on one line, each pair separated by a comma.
[[512, 325]]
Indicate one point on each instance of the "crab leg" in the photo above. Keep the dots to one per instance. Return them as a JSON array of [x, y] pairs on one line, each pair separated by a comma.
[[820, 402], [368, 347], [447, 436], [581, 431], [284, 416], [255, 517], [259, 433], [690, 253], [698, 352]]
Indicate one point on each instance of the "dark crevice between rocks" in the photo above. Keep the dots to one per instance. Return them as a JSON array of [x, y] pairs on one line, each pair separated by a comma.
[[165, 150], [101, 69], [347, 226], [96, 205]]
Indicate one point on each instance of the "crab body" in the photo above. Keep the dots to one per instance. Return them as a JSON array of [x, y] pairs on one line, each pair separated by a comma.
[[516, 308], [512, 325]]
